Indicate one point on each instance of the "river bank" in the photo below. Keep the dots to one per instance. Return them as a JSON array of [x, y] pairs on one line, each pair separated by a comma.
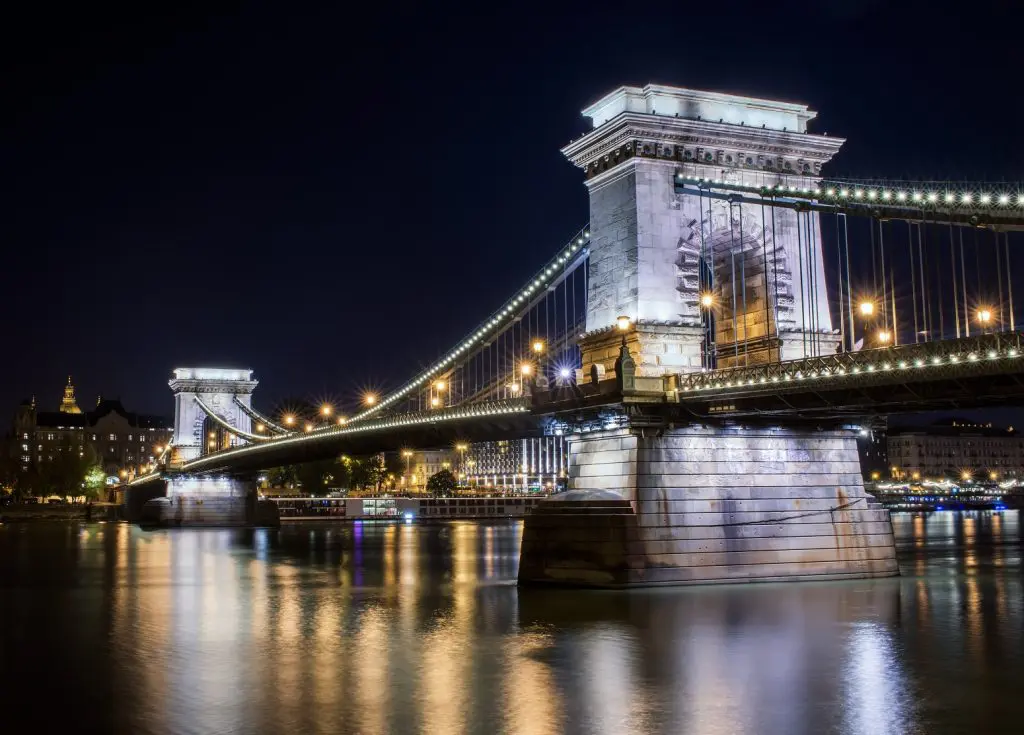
[[21, 512]]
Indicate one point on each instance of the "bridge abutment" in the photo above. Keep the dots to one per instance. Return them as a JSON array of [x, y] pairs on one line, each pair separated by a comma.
[[697, 505]]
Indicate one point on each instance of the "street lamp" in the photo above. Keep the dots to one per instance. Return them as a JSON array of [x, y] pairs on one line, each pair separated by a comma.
[[369, 399], [326, 410], [259, 428], [289, 420], [435, 401], [707, 299], [407, 453], [884, 336], [984, 315], [309, 428], [342, 420], [622, 324], [439, 385], [538, 346], [866, 308], [526, 369]]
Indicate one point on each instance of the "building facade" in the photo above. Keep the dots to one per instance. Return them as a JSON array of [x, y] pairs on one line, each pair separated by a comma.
[[538, 464], [519, 465], [957, 450], [108, 435]]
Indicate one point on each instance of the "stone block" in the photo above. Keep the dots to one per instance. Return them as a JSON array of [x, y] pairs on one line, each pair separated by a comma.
[[710, 505]]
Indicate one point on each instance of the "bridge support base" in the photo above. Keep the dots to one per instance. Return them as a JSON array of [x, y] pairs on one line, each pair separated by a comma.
[[701, 505], [209, 501]]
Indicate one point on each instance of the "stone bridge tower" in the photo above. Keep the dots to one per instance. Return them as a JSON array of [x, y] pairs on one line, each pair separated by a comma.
[[650, 237], [217, 388], [681, 502]]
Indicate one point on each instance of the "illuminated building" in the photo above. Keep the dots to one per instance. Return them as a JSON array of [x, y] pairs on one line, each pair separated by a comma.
[[951, 447], [108, 434]]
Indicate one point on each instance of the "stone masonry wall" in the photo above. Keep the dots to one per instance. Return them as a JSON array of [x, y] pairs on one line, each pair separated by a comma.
[[702, 505]]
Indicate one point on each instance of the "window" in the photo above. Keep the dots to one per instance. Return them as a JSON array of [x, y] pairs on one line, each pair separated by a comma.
[[113, 437], [94, 437], [24, 447], [142, 437], [110, 450], [40, 448], [129, 437], [24, 436]]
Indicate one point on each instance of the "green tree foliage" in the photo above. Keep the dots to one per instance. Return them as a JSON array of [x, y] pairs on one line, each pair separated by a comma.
[[316, 477], [95, 482], [342, 473], [441, 484]]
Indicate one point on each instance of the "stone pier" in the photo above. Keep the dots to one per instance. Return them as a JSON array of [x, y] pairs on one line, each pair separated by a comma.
[[209, 501], [698, 504], [707, 282]]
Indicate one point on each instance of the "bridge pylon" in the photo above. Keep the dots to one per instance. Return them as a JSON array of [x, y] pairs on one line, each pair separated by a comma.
[[708, 282], [218, 389]]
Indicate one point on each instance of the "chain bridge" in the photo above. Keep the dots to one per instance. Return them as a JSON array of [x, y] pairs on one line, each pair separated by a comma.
[[706, 346]]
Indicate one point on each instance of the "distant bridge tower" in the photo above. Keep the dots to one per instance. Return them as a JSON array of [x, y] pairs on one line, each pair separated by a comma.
[[218, 389], [657, 247]]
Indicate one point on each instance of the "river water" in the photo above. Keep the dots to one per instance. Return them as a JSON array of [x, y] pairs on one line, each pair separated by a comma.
[[407, 628]]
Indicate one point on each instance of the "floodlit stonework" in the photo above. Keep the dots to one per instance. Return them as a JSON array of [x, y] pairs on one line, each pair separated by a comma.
[[655, 502], [650, 238], [708, 505], [218, 389]]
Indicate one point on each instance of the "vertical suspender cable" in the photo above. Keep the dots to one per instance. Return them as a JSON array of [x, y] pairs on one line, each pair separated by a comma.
[[732, 269], [926, 306], [764, 264], [849, 277], [952, 262], [881, 261], [814, 261], [803, 293], [839, 286], [913, 277], [775, 278], [743, 285], [999, 280], [1009, 282], [892, 292], [963, 282], [941, 304]]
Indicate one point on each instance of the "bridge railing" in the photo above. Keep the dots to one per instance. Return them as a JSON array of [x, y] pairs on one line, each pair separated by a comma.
[[931, 356]]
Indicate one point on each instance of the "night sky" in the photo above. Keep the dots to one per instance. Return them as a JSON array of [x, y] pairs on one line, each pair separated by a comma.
[[332, 197]]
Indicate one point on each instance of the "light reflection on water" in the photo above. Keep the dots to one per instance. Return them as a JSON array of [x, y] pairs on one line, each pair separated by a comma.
[[378, 628]]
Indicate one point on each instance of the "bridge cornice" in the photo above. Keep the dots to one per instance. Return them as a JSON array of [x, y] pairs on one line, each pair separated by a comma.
[[680, 140], [237, 387]]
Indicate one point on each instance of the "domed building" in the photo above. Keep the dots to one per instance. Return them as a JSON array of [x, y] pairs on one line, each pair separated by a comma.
[[109, 435]]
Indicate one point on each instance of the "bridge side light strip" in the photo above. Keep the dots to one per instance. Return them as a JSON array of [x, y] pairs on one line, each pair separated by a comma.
[[481, 411], [965, 199], [711, 381], [573, 250]]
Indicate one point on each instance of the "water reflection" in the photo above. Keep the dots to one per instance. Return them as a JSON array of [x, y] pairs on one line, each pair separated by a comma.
[[378, 628]]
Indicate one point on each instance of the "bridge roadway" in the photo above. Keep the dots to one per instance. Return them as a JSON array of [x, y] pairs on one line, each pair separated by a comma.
[[949, 374]]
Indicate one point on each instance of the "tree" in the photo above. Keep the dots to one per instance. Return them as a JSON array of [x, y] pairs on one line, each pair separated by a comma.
[[65, 474], [316, 477], [95, 481], [441, 484]]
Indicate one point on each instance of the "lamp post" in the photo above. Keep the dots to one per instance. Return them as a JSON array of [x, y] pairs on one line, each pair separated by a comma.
[[625, 368], [407, 453], [461, 448]]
